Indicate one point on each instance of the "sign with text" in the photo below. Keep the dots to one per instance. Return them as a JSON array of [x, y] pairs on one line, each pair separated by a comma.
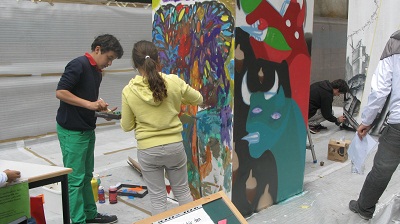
[[14, 201], [211, 209], [195, 215]]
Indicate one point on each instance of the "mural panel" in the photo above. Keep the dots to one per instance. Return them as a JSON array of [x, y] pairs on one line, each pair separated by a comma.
[[195, 41], [272, 79], [370, 24]]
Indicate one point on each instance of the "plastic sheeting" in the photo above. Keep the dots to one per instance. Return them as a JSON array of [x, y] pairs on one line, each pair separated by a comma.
[[38, 39], [29, 104], [389, 213]]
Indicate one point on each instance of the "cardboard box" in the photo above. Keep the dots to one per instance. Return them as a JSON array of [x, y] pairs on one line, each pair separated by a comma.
[[337, 150]]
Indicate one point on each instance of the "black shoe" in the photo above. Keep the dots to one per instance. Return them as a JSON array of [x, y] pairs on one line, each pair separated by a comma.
[[103, 218], [320, 127], [353, 206]]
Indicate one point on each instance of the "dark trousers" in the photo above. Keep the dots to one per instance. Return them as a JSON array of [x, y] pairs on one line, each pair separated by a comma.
[[386, 161]]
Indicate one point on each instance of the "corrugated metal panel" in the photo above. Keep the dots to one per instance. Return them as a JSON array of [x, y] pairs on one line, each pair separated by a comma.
[[39, 38]]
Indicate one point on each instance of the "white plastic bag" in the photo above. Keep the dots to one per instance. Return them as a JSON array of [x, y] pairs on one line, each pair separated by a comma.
[[359, 151]]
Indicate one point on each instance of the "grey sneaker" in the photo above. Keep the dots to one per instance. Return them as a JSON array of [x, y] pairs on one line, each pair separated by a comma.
[[353, 206], [103, 218], [313, 130]]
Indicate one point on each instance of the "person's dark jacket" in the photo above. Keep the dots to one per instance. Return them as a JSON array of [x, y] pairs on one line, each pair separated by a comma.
[[321, 97]]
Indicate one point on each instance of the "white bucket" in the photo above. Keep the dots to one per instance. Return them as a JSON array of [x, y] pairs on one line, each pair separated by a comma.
[[52, 198]]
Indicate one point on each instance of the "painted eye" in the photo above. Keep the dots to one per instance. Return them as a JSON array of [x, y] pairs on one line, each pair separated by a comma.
[[276, 116], [256, 110]]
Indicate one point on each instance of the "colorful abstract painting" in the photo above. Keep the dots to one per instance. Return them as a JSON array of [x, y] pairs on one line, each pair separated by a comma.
[[196, 41], [272, 79]]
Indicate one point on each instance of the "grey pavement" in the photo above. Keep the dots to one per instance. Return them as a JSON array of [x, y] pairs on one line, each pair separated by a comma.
[[328, 187]]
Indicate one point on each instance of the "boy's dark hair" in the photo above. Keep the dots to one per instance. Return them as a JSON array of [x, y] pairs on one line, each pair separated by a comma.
[[108, 42], [341, 85]]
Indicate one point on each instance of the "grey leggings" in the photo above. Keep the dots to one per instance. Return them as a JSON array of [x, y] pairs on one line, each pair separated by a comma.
[[172, 159]]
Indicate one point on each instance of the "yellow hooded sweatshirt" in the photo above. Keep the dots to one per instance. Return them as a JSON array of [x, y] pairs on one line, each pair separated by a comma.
[[156, 123]]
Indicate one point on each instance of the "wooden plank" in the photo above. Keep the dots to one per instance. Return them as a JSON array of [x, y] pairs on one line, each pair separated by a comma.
[[15, 75], [201, 201]]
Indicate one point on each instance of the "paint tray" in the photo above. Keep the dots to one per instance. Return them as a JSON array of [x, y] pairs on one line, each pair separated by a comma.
[[109, 115], [138, 191]]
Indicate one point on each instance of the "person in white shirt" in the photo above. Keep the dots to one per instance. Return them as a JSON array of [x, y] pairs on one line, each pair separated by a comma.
[[9, 176], [385, 81]]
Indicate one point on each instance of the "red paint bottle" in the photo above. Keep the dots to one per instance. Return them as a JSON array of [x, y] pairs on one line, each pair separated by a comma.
[[112, 194]]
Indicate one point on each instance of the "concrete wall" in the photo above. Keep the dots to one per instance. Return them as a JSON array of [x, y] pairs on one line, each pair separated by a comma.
[[329, 40], [331, 8], [328, 54]]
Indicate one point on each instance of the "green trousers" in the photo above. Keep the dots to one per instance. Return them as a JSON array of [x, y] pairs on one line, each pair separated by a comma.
[[77, 149]]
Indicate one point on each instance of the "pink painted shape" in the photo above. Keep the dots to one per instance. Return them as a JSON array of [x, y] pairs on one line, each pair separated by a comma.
[[224, 221]]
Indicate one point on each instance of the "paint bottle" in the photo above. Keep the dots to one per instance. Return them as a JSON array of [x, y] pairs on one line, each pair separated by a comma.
[[95, 188], [112, 194], [97, 176], [102, 198]]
